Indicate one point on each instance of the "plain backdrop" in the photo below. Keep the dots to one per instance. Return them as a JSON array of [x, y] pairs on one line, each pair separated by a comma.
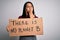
[[48, 9]]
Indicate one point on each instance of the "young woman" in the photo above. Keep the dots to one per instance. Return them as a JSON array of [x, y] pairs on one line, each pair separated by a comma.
[[28, 12]]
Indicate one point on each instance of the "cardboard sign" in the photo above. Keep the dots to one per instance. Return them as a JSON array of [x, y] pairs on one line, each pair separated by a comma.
[[25, 26]]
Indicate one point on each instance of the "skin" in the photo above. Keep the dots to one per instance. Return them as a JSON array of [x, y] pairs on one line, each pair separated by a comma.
[[29, 9]]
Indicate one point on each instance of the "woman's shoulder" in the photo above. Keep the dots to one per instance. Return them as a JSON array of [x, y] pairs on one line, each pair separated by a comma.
[[19, 17], [36, 17]]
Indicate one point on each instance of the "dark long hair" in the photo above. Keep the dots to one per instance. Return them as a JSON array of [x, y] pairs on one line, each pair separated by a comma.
[[24, 12]]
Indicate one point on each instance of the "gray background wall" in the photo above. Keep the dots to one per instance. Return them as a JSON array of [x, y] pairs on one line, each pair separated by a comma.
[[48, 9]]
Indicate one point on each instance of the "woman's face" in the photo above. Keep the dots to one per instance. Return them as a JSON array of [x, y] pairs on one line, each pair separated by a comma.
[[29, 7]]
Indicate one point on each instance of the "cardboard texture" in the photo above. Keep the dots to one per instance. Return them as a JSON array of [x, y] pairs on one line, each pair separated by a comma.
[[25, 26]]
